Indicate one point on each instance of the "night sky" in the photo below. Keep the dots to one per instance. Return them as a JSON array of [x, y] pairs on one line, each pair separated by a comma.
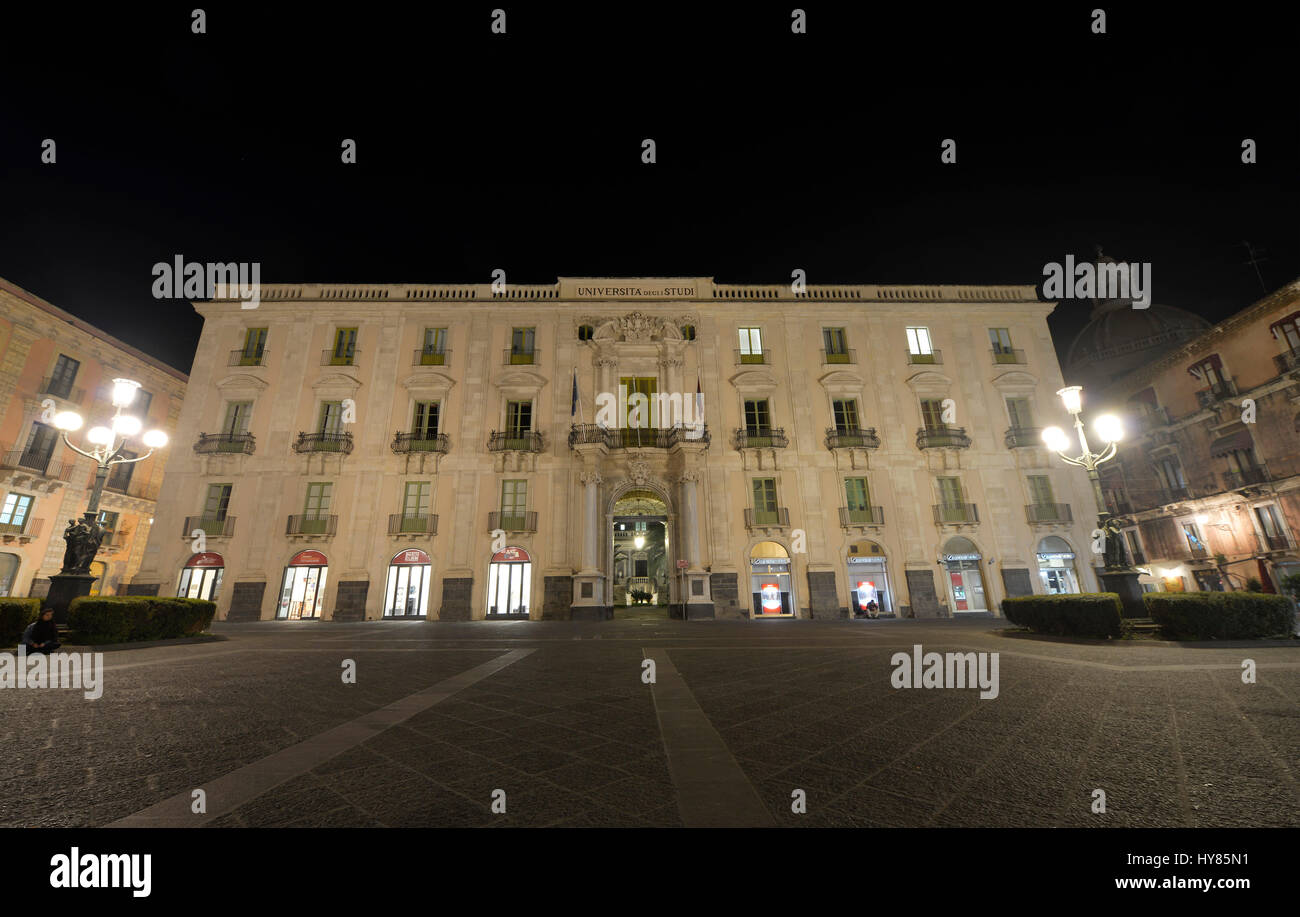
[[522, 152]]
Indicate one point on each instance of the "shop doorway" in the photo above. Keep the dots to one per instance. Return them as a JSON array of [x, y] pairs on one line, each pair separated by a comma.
[[302, 595], [869, 581], [963, 567], [201, 577], [408, 585], [510, 585], [771, 585], [1056, 570]]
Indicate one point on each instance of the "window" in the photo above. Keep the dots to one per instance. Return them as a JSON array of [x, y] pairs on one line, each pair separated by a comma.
[[40, 446], [522, 345], [640, 567], [758, 420], [1003, 352], [1209, 371], [345, 347], [950, 491], [1288, 332], [415, 505], [519, 417], [424, 423], [237, 417], [1170, 475], [1194, 539], [586, 332], [638, 414], [1241, 460], [919, 346], [1270, 525], [1018, 411], [836, 345], [108, 520], [14, 512], [846, 415], [254, 347], [331, 417], [1040, 490], [140, 406], [751, 345], [932, 413], [217, 502], [315, 512], [65, 373], [433, 352], [514, 505], [119, 477], [765, 508], [688, 332], [857, 498]]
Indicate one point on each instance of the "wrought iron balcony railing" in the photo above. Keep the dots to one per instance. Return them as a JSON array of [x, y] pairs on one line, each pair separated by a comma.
[[212, 526], [512, 522], [324, 442], [942, 436], [209, 443], [335, 357], [918, 359], [1008, 355], [1278, 542], [759, 518], [1216, 392], [956, 513], [756, 356], [420, 442], [850, 439], [312, 525], [1245, 477], [432, 357], [830, 357], [1048, 512], [422, 524], [1023, 437], [760, 438], [862, 515], [636, 437], [1174, 494], [515, 441], [1288, 361], [22, 460], [243, 357], [514, 357]]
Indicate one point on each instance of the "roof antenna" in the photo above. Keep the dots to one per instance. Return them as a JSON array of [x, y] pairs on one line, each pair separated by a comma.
[[1254, 262]]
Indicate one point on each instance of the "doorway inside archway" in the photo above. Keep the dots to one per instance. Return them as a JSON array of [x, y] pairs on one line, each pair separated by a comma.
[[641, 556]]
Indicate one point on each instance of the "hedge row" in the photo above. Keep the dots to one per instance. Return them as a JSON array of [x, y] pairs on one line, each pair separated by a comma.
[[15, 615], [1089, 614], [127, 618], [1220, 615]]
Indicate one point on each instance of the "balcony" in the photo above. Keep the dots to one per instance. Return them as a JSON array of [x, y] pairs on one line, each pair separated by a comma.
[[636, 437], [767, 518], [1197, 552], [211, 443], [324, 442], [423, 524], [1174, 495], [831, 357], [512, 522], [1008, 355], [1219, 391], [852, 439], [1287, 362], [431, 357], [861, 515], [34, 463], [1048, 513], [1245, 477], [925, 359], [956, 514], [515, 441], [60, 390], [141, 490], [1266, 543], [514, 357], [753, 356], [211, 526], [339, 357], [22, 532], [760, 438], [243, 357], [942, 436], [1152, 418], [404, 443], [1023, 437], [315, 524]]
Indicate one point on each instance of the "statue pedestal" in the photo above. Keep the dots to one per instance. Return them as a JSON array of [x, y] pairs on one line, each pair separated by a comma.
[[64, 587], [1125, 582]]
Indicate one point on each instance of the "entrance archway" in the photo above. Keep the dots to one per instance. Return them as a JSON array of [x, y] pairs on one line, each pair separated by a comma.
[[965, 576], [201, 576], [510, 585], [869, 580], [302, 594], [771, 585], [1056, 568], [640, 567], [407, 595]]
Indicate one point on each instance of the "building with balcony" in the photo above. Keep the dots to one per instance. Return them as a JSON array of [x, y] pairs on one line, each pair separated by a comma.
[[52, 361], [1208, 476], [575, 449]]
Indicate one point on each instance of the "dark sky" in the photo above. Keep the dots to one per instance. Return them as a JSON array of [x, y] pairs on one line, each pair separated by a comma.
[[775, 151]]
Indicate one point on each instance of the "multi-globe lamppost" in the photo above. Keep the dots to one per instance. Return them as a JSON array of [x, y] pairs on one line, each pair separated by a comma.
[[1117, 576], [84, 537]]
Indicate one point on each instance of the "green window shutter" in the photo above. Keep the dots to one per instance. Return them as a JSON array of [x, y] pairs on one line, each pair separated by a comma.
[[1040, 489], [950, 492], [856, 493]]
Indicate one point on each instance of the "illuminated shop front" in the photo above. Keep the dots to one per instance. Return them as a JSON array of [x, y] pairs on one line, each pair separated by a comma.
[[1056, 569], [510, 582], [964, 573], [201, 577], [303, 592], [770, 581], [408, 585], [868, 579]]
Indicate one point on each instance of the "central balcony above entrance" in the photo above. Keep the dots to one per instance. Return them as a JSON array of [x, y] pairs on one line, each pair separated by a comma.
[[635, 437]]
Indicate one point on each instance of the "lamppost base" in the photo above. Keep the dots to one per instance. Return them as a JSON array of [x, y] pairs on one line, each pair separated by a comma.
[[1125, 582], [64, 587]]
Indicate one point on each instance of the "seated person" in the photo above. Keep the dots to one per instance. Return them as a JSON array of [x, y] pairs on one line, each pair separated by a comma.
[[42, 635]]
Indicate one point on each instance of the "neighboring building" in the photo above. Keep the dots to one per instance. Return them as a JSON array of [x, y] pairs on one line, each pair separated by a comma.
[[52, 361], [1210, 471], [367, 451]]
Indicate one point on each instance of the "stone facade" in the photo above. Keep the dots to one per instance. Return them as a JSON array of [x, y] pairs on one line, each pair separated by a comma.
[[333, 450]]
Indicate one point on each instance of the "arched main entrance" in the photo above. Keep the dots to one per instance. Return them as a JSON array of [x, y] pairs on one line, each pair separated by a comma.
[[771, 585], [640, 569], [303, 592], [407, 595], [965, 575], [510, 585], [1056, 567], [869, 580], [201, 576]]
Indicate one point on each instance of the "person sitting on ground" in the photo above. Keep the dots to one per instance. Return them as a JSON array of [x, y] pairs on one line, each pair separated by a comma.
[[42, 635], [873, 609]]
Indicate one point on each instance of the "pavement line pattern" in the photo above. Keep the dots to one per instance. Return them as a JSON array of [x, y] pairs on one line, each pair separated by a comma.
[[241, 786], [712, 790]]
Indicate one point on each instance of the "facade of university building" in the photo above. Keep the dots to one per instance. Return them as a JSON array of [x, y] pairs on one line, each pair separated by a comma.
[[534, 451], [51, 361], [1209, 475]]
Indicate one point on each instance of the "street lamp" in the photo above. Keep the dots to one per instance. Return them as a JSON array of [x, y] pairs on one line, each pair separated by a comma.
[[1117, 575], [83, 538]]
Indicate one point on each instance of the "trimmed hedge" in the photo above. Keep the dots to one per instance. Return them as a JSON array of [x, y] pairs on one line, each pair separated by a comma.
[[127, 618], [15, 615], [1089, 614], [1220, 615]]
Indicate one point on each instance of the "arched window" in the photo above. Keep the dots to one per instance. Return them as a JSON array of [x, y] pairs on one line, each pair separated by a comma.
[[586, 332]]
